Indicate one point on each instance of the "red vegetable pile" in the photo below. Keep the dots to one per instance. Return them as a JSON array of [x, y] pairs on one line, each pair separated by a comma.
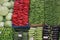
[[20, 12]]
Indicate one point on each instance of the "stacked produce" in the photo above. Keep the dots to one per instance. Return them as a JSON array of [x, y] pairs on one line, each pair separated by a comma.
[[20, 13], [31, 33], [50, 13], [8, 34], [36, 11], [37, 16], [38, 33], [6, 8], [58, 12], [35, 33], [51, 18]]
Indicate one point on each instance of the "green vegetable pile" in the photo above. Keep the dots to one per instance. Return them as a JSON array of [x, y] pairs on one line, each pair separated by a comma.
[[41, 11], [51, 17], [58, 12], [36, 33], [52, 13], [6, 33], [36, 11], [6, 8], [31, 32]]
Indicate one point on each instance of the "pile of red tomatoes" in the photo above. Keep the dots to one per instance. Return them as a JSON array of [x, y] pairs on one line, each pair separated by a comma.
[[20, 12]]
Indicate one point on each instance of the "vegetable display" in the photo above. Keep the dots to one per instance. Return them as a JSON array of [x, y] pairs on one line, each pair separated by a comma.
[[38, 33], [51, 19], [6, 8], [31, 32], [3, 11], [20, 13], [8, 24], [58, 12], [41, 11], [50, 13], [36, 11], [9, 16], [35, 33], [6, 33]]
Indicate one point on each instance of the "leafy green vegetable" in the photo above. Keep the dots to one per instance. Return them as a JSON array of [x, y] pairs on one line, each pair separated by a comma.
[[8, 24], [50, 13], [58, 10], [8, 34], [36, 33], [3, 11], [36, 15], [7, 4], [9, 16]]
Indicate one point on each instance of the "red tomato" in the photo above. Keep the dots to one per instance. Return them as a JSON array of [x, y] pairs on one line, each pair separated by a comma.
[[20, 13]]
